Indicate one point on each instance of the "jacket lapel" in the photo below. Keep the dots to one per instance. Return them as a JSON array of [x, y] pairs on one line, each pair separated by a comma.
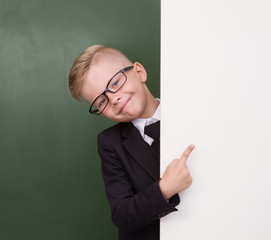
[[140, 150]]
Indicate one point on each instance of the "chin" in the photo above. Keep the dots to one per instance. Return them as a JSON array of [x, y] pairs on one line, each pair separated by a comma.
[[129, 118]]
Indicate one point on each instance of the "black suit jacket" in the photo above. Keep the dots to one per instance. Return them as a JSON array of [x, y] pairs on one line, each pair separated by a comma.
[[130, 169]]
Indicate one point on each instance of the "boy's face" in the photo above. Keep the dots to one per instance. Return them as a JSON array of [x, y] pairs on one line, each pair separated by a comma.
[[131, 101]]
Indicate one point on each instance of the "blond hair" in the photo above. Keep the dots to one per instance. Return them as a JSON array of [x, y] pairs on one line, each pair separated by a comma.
[[82, 63]]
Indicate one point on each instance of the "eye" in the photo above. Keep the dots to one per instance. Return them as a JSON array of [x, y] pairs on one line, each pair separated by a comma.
[[101, 102], [115, 84]]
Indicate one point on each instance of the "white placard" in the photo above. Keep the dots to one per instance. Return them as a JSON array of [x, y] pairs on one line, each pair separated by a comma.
[[216, 93]]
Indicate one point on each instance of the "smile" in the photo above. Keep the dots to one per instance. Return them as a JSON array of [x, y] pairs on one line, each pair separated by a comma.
[[124, 105]]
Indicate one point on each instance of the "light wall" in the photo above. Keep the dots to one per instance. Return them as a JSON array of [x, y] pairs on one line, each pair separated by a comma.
[[215, 91]]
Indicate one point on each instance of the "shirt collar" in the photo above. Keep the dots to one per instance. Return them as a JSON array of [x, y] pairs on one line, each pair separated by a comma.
[[140, 123]]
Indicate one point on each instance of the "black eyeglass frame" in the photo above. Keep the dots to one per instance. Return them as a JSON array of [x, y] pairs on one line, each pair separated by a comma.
[[108, 90]]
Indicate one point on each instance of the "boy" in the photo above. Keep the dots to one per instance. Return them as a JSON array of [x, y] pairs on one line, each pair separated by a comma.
[[115, 88]]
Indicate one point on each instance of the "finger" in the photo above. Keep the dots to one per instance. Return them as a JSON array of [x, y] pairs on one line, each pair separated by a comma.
[[187, 152]]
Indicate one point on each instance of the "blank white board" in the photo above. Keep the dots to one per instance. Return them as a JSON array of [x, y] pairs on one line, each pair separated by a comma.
[[216, 94]]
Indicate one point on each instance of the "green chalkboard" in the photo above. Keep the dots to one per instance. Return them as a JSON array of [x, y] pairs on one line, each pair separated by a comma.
[[50, 182]]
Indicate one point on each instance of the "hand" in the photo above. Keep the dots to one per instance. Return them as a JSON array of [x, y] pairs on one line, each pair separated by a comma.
[[177, 176]]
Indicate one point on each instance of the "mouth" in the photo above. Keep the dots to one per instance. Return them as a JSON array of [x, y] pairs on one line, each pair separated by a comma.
[[124, 105]]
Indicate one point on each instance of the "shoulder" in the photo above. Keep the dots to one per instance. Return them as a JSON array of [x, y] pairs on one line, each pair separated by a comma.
[[115, 132], [110, 139]]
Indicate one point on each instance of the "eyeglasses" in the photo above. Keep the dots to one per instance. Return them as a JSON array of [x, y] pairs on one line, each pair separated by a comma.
[[114, 85]]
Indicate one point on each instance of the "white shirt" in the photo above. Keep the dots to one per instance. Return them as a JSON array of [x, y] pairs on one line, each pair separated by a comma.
[[140, 123]]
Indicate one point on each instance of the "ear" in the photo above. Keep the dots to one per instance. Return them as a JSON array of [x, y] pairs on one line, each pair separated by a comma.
[[140, 70]]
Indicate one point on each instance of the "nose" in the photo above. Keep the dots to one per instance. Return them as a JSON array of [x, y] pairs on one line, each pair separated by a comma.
[[114, 98]]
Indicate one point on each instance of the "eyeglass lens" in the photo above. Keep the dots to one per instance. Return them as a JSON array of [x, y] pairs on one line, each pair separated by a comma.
[[113, 86]]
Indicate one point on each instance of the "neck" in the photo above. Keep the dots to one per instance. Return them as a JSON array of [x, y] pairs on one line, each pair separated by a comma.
[[152, 105]]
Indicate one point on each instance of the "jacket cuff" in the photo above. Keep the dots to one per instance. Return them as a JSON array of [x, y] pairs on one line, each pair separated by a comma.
[[168, 206]]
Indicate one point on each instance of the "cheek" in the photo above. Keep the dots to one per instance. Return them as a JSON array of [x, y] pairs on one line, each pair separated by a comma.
[[107, 113], [133, 86]]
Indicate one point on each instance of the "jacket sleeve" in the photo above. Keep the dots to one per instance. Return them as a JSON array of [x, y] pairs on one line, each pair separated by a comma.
[[131, 211]]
